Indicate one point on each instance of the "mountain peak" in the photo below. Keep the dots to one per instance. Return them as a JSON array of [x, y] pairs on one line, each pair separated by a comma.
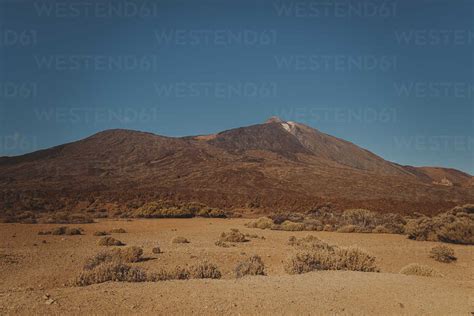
[[274, 119]]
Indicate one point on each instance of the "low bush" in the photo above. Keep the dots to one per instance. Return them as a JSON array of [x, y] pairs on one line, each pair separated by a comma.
[[349, 229], [443, 254], [126, 255], [211, 213], [316, 254], [455, 226], [162, 210], [177, 273], [110, 271], [109, 241], [222, 244], [180, 240], [63, 230], [118, 231], [420, 270], [205, 270], [101, 233], [309, 243], [252, 266], [233, 236], [66, 218], [262, 223], [290, 226], [156, 250]]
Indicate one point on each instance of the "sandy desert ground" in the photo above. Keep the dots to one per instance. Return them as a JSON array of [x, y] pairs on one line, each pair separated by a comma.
[[36, 271]]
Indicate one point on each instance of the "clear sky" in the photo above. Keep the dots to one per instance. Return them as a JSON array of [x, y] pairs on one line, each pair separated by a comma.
[[395, 77]]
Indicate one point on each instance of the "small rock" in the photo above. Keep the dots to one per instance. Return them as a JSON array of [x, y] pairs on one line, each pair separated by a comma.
[[49, 301]]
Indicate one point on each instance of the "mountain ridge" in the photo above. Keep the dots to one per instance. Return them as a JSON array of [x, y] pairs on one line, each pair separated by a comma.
[[277, 164]]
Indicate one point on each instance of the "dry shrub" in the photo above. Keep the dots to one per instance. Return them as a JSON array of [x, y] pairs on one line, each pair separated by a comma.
[[364, 219], [253, 236], [252, 266], [110, 271], [126, 255], [156, 250], [222, 244], [381, 229], [66, 218], [118, 231], [420, 270], [109, 241], [291, 226], [316, 254], [176, 273], [350, 229], [457, 232], [211, 213], [443, 254], [63, 230], [205, 270], [262, 223], [101, 233], [233, 236], [355, 259], [455, 226], [180, 240], [309, 243], [162, 210]]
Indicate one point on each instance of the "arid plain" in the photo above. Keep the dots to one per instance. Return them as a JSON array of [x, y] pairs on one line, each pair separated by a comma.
[[37, 273]]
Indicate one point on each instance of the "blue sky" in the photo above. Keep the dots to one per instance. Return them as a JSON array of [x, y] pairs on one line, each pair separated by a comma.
[[395, 77]]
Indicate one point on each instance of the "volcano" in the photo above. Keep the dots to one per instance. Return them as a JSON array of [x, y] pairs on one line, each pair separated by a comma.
[[275, 166]]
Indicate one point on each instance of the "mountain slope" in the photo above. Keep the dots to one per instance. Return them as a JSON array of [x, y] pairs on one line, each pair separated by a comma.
[[272, 166]]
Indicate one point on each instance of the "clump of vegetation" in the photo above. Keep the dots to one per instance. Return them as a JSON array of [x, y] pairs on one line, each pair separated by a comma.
[[162, 210], [63, 230], [420, 270], [118, 231], [316, 254], [327, 219], [205, 270], [126, 255], [252, 266], [109, 241], [110, 271], [222, 244], [101, 233], [289, 226], [156, 250], [455, 226], [443, 254], [177, 273], [309, 243], [233, 236], [66, 218], [211, 213], [380, 229], [262, 223], [180, 240], [349, 229]]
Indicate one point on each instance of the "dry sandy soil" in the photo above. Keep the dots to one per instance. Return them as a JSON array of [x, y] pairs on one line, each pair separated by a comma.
[[32, 270]]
